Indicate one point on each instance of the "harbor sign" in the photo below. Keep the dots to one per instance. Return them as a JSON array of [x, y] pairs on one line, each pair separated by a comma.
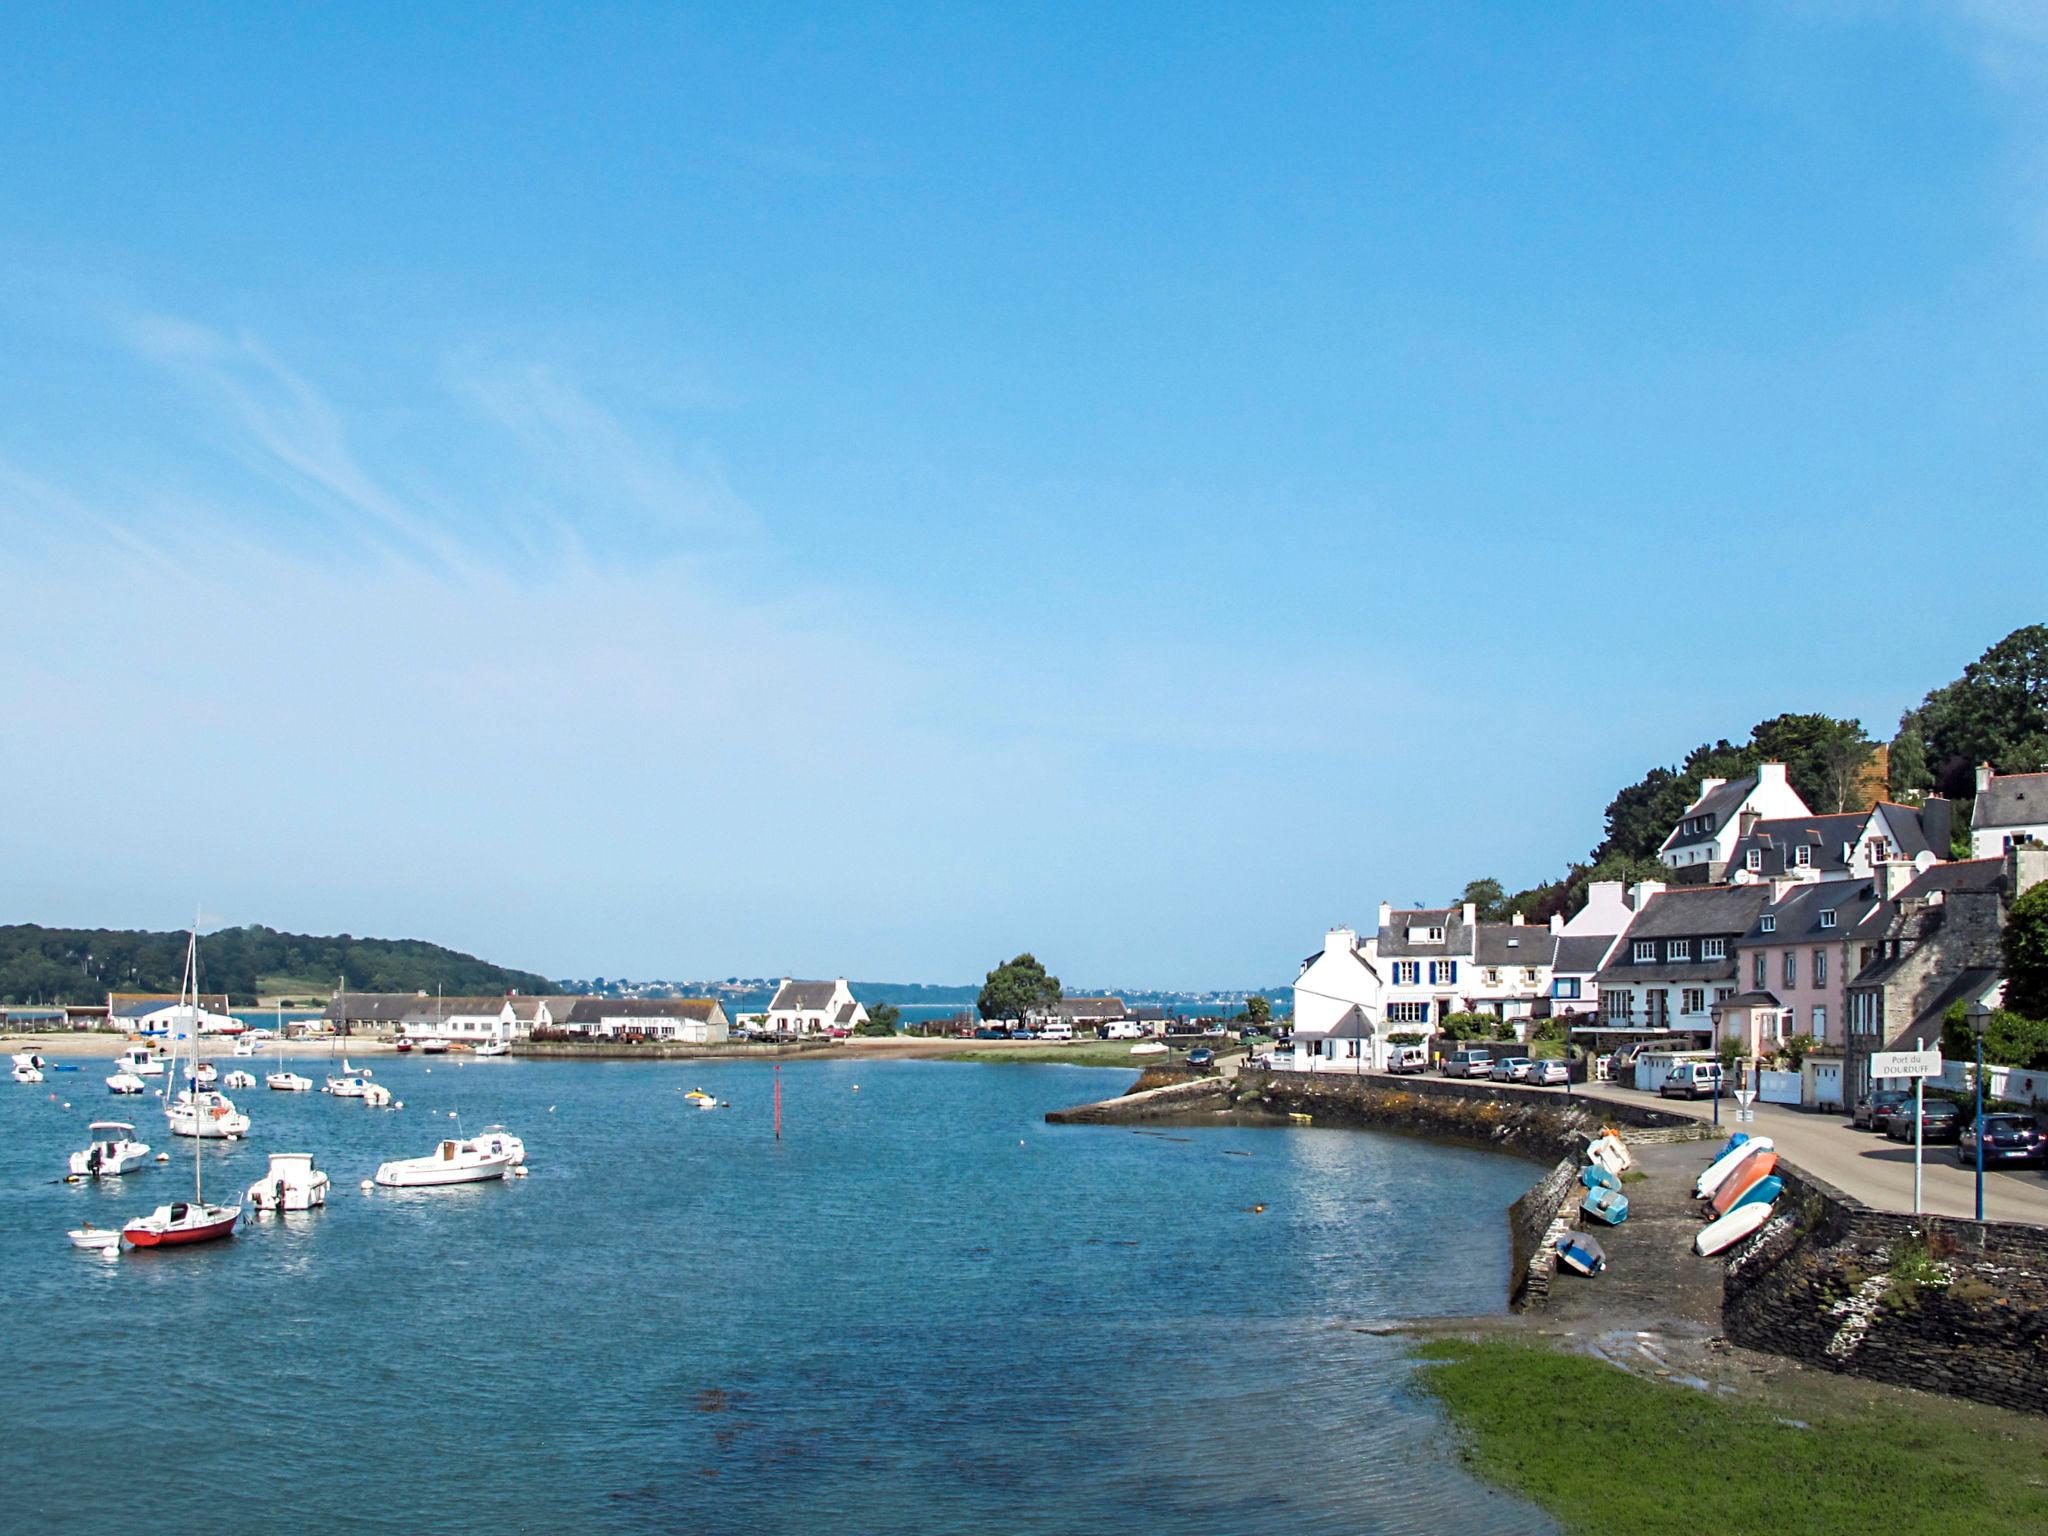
[[1906, 1063]]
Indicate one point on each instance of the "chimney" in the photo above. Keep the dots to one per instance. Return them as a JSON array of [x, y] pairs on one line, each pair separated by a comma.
[[1386, 914], [1770, 773], [1893, 876], [2026, 866], [1746, 822], [1470, 913], [1639, 896], [1937, 821], [1339, 941], [1515, 918], [1557, 922], [1707, 787], [1984, 777]]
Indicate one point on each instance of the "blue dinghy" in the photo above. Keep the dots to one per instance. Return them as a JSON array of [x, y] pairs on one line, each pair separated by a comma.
[[1593, 1176], [1729, 1146], [1762, 1192], [1608, 1205], [1580, 1252]]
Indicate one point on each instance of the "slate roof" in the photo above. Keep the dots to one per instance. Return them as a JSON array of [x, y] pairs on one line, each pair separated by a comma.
[[845, 1014], [1907, 828], [427, 1009], [1622, 972], [1927, 1023], [1826, 837], [2012, 800], [1799, 913], [1090, 1008], [133, 1007], [795, 996], [1350, 1025], [590, 1010], [1962, 875], [373, 1007], [1456, 943], [1688, 911], [1751, 1000], [1515, 944], [1717, 805], [1582, 955]]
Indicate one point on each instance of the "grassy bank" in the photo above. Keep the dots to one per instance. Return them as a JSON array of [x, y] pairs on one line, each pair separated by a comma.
[[1609, 1452]]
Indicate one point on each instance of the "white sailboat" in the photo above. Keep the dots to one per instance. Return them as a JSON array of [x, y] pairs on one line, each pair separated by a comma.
[[184, 1222]]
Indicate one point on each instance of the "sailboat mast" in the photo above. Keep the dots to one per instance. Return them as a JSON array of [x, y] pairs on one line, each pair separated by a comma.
[[192, 974]]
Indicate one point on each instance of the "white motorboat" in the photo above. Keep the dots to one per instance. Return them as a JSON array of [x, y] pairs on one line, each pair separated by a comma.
[[238, 1080], [139, 1061], [98, 1239], [291, 1183], [206, 1115], [288, 1082], [113, 1150], [247, 1045], [349, 1087], [493, 1048], [28, 1074], [29, 1059], [126, 1082], [376, 1096], [452, 1162], [205, 1075]]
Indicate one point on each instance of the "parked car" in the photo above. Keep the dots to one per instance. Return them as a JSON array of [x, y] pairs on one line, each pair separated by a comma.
[[1407, 1058], [1875, 1107], [1201, 1056], [1940, 1120], [1548, 1074], [838, 1032], [1511, 1069], [1691, 1080], [2009, 1141], [1468, 1064]]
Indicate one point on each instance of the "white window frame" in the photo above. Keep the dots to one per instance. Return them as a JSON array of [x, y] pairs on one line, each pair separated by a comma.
[[1768, 923], [1713, 949], [1827, 918], [1678, 949], [1756, 858], [1802, 856], [1645, 951]]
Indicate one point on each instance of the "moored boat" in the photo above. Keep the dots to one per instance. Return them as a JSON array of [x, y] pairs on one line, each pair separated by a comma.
[[207, 1116], [239, 1079], [287, 1082], [452, 1162], [126, 1082], [140, 1061], [182, 1222], [290, 1183], [1719, 1169], [352, 1086], [27, 1074], [113, 1150], [185, 1222], [493, 1048]]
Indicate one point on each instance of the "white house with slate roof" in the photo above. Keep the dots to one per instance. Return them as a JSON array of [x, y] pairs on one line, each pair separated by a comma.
[[812, 1007], [1337, 1008], [1439, 961], [1849, 846], [1700, 847], [2011, 808], [1677, 960]]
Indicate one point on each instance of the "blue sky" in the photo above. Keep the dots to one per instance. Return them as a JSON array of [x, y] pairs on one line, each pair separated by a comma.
[[653, 490]]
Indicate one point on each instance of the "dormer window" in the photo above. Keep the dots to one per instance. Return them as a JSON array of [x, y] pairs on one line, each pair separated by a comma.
[[1803, 856], [1769, 923], [1713, 949], [1425, 935], [1827, 919], [1645, 951], [1756, 858], [1678, 949]]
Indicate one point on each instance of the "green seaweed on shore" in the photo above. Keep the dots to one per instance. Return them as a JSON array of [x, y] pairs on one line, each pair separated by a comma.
[[1609, 1452]]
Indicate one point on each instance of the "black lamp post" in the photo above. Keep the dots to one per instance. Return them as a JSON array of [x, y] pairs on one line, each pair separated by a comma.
[[1979, 1017]]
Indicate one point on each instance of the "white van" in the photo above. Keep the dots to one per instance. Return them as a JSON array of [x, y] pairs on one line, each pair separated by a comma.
[[1058, 1029], [1124, 1029], [1407, 1058]]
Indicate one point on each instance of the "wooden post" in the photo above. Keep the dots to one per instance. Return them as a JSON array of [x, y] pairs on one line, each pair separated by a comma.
[[778, 1101]]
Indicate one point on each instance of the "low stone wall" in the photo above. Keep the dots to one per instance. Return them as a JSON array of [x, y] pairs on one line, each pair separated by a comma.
[[1920, 1301], [1150, 1101], [1541, 1123], [1535, 1223], [658, 1050]]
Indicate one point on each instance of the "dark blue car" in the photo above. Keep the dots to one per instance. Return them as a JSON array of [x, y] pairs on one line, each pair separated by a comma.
[[1201, 1056]]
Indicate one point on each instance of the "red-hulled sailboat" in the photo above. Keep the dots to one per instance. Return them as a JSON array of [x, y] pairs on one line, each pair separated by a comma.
[[185, 1221]]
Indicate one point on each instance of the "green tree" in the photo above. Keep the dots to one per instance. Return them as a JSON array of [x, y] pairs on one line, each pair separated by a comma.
[[2010, 1039], [1259, 1011], [883, 1019], [2025, 942], [1487, 896], [1016, 988], [1824, 758], [1996, 713]]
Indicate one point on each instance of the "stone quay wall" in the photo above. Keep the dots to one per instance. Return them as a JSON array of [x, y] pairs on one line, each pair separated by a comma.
[[1933, 1302], [1535, 1223], [658, 1050]]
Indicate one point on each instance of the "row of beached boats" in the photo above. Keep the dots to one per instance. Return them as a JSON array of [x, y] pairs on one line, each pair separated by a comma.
[[1737, 1192]]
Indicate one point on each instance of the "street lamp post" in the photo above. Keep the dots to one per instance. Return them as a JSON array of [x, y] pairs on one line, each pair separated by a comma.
[[1979, 1016]]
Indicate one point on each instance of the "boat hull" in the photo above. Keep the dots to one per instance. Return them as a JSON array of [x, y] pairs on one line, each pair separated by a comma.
[[181, 1233], [405, 1176]]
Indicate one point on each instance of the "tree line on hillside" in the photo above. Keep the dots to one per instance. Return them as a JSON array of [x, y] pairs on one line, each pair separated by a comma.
[[82, 965], [1996, 712]]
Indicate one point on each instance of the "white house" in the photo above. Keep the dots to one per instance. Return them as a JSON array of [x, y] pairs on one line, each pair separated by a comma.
[[460, 1020], [1439, 961], [2011, 808], [149, 1014], [1844, 847], [1700, 847], [811, 1007], [1337, 1008], [689, 1020]]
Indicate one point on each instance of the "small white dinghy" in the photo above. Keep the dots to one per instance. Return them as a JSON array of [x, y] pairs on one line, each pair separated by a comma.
[[238, 1080], [492, 1048], [1719, 1169], [452, 1162], [28, 1074], [125, 1082], [376, 1096], [140, 1061], [291, 1183], [1732, 1228], [97, 1239], [1608, 1151], [1148, 1048], [114, 1149], [288, 1082]]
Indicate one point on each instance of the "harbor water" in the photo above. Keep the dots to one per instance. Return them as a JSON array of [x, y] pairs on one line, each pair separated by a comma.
[[921, 1309]]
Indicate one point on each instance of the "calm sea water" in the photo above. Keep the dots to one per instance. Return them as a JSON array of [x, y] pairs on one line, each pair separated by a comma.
[[922, 1310]]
